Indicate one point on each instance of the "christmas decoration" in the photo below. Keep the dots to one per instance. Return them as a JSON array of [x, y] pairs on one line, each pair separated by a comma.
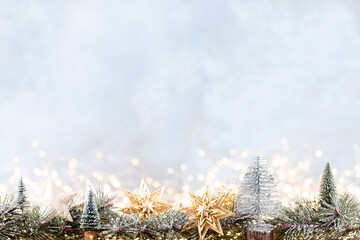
[[56, 203], [21, 195], [209, 216], [327, 188], [90, 218], [258, 199], [231, 191], [205, 213], [146, 204], [258, 196]]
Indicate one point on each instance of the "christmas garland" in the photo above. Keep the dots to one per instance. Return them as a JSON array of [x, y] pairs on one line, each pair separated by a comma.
[[223, 215]]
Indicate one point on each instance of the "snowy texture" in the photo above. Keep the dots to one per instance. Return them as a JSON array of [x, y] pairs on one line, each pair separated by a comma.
[[328, 188], [160, 80], [258, 195], [21, 194], [90, 218], [263, 228]]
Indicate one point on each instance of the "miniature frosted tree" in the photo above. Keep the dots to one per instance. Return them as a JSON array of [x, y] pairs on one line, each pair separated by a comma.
[[21, 194], [258, 196], [327, 187], [90, 216]]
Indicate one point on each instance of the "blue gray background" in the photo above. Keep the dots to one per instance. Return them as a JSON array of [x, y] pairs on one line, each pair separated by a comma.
[[160, 80]]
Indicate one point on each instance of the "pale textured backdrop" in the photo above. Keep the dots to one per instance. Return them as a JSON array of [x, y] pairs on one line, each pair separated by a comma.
[[160, 80]]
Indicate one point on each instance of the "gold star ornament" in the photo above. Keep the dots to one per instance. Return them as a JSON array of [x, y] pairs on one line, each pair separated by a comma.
[[205, 212], [146, 204]]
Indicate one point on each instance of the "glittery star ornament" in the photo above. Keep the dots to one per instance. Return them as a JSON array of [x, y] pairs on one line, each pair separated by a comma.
[[146, 204], [57, 203], [231, 191], [205, 212]]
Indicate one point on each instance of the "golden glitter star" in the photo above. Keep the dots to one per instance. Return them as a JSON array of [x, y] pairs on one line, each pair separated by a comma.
[[206, 212], [146, 204], [231, 190]]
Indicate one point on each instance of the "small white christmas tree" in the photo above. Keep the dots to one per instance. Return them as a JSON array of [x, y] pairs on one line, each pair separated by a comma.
[[328, 192], [258, 195], [90, 216], [21, 195]]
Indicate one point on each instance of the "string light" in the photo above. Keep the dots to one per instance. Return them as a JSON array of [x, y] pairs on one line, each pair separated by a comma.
[[292, 178]]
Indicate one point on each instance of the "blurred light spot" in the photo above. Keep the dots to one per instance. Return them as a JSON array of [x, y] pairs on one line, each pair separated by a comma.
[[2, 189], [58, 182], [308, 181], [115, 182], [341, 180], [16, 159], [107, 188], [318, 153], [54, 174], [82, 177], [135, 161], [42, 154], [190, 178], [284, 141], [183, 167], [71, 172], [37, 171], [35, 143], [285, 148], [149, 180], [334, 171], [170, 191], [67, 189], [170, 170], [99, 155], [201, 152], [287, 188], [185, 188], [244, 154], [201, 177], [348, 173], [233, 152], [72, 163], [156, 184]]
